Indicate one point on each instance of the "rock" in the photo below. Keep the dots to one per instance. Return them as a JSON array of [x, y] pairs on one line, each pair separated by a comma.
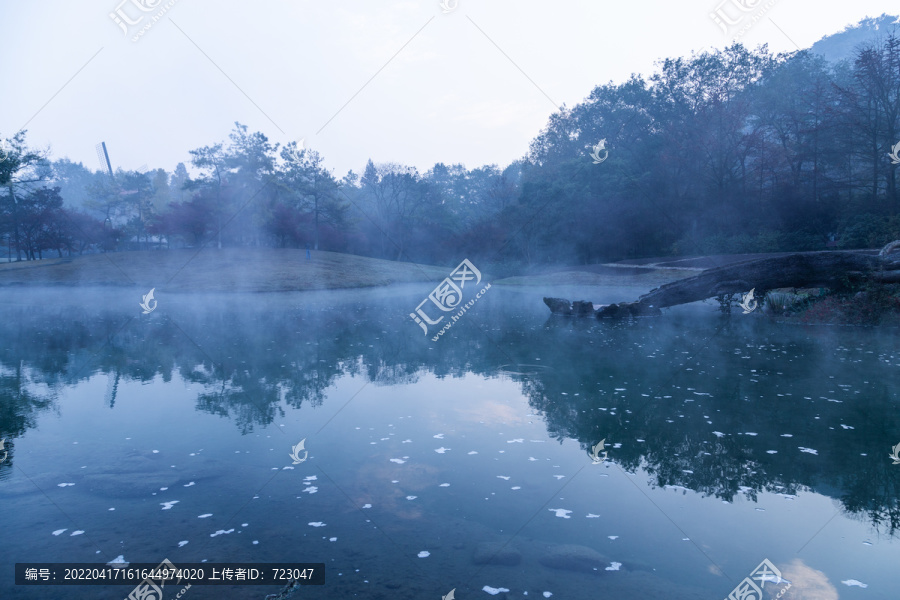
[[496, 553], [559, 306], [581, 308], [627, 309], [613, 311], [569, 557]]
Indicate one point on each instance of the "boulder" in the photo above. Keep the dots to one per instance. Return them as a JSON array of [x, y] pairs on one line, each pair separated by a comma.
[[559, 306]]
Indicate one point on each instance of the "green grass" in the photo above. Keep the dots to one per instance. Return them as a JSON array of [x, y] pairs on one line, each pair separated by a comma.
[[226, 270]]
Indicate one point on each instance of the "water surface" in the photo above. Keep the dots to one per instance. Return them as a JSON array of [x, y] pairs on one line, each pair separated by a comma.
[[728, 441]]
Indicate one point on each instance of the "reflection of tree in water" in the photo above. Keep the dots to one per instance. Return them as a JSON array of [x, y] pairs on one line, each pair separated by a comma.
[[20, 402], [670, 382], [676, 407]]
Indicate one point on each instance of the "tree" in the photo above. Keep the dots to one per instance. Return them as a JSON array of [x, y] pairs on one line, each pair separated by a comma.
[[211, 160], [20, 173], [314, 188]]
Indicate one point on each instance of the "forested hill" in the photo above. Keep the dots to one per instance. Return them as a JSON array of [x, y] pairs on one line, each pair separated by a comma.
[[841, 46]]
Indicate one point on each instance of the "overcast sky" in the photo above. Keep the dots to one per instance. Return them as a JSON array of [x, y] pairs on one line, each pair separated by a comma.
[[391, 81]]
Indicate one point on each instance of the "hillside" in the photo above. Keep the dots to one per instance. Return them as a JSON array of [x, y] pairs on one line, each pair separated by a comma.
[[841, 45]]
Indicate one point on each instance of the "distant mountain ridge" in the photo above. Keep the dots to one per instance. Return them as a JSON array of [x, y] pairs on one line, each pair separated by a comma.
[[841, 45]]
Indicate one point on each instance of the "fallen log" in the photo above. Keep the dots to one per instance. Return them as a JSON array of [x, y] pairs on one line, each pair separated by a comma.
[[799, 270]]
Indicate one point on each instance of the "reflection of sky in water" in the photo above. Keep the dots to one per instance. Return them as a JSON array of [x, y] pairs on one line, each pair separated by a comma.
[[404, 482]]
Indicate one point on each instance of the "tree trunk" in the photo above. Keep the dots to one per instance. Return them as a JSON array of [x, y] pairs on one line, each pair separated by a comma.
[[15, 211], [803, 269]]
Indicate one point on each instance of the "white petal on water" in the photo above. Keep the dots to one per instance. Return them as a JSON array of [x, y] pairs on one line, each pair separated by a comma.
[[531, 459], [614, 566], [441, 450], [182, 543], [79, 532], [473, 452], [786, 435], [59, 531], [592, 516], [367, 506], [406, 442], [189, 484], [424, 554], [444, 485], [516, 487], [221, 532], [411, 497], [852, 582], [718, 434], [205, 516], [399, 461], [316, 524], [516, 441], [310, 478], [771, 451], [118, 561], [493, 591], [311, 489], [439, 436], [334, 539], [64, 484], [613, 537], [504, 477], [808, 450], [559, 476], [847, 426], [547, 594], [750, 433], [561, 512], [170, 504]]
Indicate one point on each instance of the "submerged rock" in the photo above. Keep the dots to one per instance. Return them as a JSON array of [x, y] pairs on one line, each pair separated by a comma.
[[570, 557], [496, 553]]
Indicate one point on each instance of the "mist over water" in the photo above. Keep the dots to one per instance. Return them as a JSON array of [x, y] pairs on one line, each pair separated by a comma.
[[728, 440]]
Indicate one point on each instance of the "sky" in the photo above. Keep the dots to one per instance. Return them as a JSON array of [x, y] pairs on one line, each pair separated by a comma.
[[400, 82]]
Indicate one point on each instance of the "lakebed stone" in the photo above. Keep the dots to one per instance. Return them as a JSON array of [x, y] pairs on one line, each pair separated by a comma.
[[571, 557], [496, 553]]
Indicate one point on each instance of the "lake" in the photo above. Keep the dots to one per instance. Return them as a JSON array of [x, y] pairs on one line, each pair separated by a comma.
[[464, 463]]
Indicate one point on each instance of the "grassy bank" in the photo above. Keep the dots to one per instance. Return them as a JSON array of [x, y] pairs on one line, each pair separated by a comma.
[[226, 270]]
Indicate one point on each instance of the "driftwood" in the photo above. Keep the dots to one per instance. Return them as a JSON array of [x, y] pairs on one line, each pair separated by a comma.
[[803, 269]]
